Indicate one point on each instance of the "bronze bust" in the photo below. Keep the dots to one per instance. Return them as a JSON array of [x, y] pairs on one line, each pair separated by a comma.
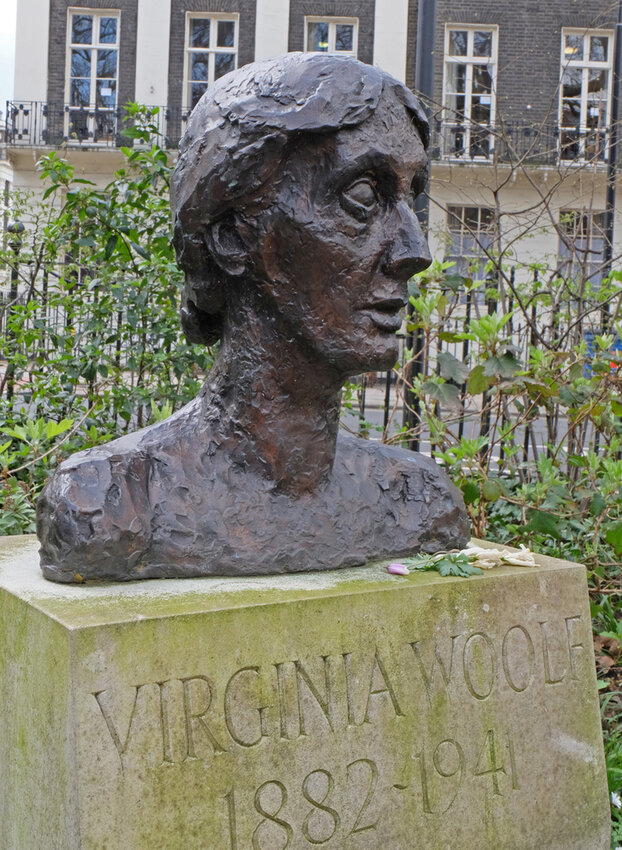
[[294, 226]]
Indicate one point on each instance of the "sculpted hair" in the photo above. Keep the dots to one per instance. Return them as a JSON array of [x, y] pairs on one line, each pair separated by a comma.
[[236, 139]]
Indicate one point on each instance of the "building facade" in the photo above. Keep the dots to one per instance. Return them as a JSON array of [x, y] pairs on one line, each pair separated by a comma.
[[520, 111]]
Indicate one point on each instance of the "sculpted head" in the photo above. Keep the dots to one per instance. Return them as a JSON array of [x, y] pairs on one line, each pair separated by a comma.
[[296, 178]]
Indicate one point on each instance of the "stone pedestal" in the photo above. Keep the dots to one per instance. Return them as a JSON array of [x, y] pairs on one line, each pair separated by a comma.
[[342, 710]]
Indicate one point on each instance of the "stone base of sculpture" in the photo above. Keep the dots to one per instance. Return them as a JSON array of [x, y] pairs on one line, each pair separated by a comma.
[[347, 709]]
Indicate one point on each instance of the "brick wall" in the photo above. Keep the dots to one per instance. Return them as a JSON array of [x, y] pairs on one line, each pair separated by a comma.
[[529, 47], [57, 57], [364, 10]]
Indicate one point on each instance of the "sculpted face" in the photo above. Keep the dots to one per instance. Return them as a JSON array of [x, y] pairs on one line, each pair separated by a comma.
[[338, 239]]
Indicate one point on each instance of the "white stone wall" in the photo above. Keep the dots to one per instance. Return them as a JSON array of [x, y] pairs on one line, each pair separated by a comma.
[[152, 48], [31, 50], [390, 36], [530, 201], [272, 28]]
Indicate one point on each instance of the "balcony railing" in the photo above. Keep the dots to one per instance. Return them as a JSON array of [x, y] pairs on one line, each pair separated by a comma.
[[536, 144], [37, 124]]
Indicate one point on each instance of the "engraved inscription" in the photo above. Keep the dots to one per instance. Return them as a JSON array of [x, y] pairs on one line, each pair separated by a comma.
[[444, 770], [318, 811], [518, 657], [330, 806], [210, 714]]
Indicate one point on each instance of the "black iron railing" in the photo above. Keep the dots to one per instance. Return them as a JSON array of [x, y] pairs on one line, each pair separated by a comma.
[[39, 124], [530, 143], [34, 123]]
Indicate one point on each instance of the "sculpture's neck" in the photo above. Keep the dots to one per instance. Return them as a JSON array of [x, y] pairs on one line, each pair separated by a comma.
[[275, 405]]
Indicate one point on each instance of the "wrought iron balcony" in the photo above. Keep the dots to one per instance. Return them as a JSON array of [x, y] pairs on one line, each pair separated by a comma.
[[532, 144], [39, 124]]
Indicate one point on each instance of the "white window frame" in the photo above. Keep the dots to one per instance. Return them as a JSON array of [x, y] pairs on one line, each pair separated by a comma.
[[92, 110], [587, 226], [451, 124], [480, 237], [212, 50], [332, 34], [586, 135]]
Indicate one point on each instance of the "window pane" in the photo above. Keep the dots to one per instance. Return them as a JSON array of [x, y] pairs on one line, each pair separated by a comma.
[[455, 104], [199, 66], [599, 45], [224, 62], [197, 90], [471, 218], [455, 141], [226, 34], [104, 125], [199, 32], [78, 125], [82, 29], [80, 92], [569, 144], [317, 37], [456, 77], [458, 43], [571, 113], [344, 39], [486, 218], [480, 110], [482, 44], [574, 47], [106, 93], [108, 30], [480, 143], [80, 63], [482, 81], [597, 86], [571, 82], [106, 63]]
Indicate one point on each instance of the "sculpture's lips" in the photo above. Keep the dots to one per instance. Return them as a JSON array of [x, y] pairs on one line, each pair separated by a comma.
[[386, 315]]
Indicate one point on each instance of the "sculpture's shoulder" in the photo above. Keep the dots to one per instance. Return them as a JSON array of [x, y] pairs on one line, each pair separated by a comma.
[[409, 490], [391, 466], [99, 506], [95, 499]]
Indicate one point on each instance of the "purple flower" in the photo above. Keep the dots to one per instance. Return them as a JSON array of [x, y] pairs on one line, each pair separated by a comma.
[[398, 570]]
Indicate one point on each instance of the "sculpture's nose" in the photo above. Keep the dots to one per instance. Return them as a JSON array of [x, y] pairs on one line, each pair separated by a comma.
[[409, 252]]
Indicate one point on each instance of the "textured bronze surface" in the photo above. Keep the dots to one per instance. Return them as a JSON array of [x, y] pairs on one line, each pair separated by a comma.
[[294, 227]]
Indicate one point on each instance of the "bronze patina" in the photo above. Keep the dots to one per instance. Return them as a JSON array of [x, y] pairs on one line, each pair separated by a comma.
[[294, 226]]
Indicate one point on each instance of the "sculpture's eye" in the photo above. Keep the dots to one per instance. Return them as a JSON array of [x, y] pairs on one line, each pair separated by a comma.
[[360, 198]]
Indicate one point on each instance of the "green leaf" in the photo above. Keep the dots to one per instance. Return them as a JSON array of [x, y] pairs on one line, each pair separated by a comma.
[[54, 429], [470, 492], [505, 366], [450, 336], [444, 393], [492, 490], [140, 250], [457, 565], [575, 372], [613, 535], [478, 382], [597, 504], [452, 368], [543, 522], [111, 244]]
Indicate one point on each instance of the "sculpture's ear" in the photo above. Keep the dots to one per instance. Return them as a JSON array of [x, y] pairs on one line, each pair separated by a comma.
[[225, 244]]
